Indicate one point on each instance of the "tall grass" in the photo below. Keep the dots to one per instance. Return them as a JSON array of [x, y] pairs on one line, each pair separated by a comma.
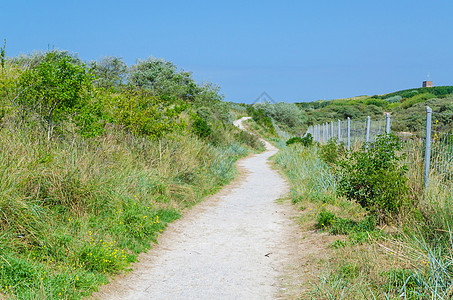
[[412, 260], [73, 212]]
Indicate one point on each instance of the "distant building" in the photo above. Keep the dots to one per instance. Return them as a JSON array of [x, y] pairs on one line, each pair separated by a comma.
[[427, 84]]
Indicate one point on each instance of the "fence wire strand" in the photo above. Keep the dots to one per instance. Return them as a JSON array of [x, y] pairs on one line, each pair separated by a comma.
[[441, 171]]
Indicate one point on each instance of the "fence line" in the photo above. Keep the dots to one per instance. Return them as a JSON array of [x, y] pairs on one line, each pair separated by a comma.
[[350, 132], [441, 151], [281, 134], [438, 142]]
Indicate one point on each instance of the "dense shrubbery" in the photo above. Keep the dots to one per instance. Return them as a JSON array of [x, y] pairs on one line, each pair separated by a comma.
[[260, 117], [375, 178], [55, 89], [331, 152], [407, 107], [307, 140], [97, 161], [287, 115]]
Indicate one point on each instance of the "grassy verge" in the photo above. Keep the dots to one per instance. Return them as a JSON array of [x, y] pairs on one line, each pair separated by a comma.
[[410, 259], [73, 213]]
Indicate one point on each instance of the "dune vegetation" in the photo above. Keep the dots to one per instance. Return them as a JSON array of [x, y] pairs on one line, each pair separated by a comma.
[[96, 158]]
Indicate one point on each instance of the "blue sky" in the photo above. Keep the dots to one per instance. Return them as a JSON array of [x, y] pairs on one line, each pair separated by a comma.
[[293, 50]]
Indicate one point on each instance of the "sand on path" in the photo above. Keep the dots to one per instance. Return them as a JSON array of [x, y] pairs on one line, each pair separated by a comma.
[[234, 245]]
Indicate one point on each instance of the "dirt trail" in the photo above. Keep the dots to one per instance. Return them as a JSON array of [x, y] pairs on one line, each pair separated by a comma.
[[238, 244]]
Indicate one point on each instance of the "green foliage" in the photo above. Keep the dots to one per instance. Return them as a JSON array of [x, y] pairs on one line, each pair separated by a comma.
[[29, 61], [306, 141], [260, 117], [331, 152], [325, 219], [286, 114], [55, 89], [376, 102], [3, 55], [200, 127], [90, 120], [293, 140], [375, 178], [407, 107], [249, 139], [393, 99], [406, 103], [335, 225], [437, 91], [163, 77], [144, 113], [109, 72]]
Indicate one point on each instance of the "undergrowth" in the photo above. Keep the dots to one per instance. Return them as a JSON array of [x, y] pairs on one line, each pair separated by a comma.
[[73, 213], [408, 259]]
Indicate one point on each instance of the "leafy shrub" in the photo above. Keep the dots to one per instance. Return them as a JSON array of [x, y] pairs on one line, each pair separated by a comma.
[[287, 114], [260, 117], [163, 77], [55, 89], [142, 112], [393, 99], [200, 127], [294, 140], [376, 102], [375, 178], [109, 71], [249, 139], [416, 99], [331, 152], [306, 141]]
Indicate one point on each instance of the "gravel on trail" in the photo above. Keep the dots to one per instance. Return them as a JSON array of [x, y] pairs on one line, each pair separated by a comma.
[[233, 245]]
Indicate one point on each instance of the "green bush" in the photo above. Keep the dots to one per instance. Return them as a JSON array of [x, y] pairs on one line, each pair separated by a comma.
[[260, 117], [331, 152], [200, 127], [55, 89], [249, 139], [306, 141], [375, 178], [416, 99]]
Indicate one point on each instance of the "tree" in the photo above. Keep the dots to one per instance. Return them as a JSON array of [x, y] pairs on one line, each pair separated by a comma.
[[56, 88], [109, 71], [163, 77], [146, 114]]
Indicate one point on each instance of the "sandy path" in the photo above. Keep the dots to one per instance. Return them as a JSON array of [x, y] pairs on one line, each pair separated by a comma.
[[234, 245]]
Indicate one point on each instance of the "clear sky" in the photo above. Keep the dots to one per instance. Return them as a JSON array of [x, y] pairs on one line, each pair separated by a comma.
[[294, 50]]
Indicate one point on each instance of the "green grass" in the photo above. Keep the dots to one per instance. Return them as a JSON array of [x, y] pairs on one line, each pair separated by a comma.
[[73, 213], [410, 260]]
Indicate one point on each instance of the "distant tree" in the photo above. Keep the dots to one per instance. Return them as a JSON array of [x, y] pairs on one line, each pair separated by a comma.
[[27, 61], [163, 77], [109, 71]]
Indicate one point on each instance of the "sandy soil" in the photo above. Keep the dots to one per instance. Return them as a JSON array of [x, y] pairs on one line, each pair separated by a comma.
[[239, 244]]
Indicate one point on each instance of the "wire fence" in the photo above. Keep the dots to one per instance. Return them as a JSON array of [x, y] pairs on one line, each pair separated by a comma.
[[350, 132], [441, 162], [429, 151], [281, 133]]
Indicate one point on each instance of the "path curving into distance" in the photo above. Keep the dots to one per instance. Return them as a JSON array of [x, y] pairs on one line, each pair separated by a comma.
[[231, 246]]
